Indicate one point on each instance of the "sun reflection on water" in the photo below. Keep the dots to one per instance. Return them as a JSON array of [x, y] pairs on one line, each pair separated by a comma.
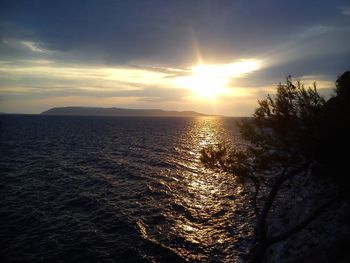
[[204, 208], [207, 207]]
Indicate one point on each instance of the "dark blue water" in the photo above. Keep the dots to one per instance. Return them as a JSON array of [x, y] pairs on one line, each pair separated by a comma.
[[110, 189]]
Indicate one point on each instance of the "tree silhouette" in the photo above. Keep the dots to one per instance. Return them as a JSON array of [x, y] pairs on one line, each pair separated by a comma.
[[291, 132]]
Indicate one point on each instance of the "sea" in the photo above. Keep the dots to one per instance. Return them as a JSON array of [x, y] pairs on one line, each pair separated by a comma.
[[118, 189]]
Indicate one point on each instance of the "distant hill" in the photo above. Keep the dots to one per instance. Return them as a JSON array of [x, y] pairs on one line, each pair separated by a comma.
[[96, 111]]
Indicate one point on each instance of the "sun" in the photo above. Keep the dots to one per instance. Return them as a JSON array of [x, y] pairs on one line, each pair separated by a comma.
[[205, 81], [211, 80]]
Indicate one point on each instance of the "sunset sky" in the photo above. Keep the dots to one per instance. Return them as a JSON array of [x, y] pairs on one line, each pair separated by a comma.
[[216, 57]]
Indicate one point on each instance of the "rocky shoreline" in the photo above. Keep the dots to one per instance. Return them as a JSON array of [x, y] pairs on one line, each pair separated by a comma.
[[326, 237]]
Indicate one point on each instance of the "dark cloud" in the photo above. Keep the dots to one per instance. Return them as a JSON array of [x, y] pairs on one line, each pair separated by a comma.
[[164, 32]]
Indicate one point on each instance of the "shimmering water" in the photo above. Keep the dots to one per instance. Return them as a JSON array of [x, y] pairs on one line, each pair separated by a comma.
[[109, 189]]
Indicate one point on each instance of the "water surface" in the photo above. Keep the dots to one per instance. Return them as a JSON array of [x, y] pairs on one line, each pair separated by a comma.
[[117, 189]]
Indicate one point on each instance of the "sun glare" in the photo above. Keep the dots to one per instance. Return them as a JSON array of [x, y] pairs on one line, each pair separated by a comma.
[[210, 80]]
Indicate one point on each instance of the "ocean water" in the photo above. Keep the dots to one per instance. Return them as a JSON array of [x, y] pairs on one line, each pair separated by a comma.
[[118, 189]]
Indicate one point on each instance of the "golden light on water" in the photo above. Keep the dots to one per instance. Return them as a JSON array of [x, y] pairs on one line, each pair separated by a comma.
[[211, 80], [204, 204]]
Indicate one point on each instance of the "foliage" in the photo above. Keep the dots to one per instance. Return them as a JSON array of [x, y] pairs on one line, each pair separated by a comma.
[[282, 131], [342, 85], [286, 121], [289, 131], [295, 125]]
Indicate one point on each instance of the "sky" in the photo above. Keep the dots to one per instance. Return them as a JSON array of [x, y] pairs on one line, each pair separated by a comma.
[[215, 57]]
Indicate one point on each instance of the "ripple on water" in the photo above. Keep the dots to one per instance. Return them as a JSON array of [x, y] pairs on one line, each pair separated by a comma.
[[117, 190]]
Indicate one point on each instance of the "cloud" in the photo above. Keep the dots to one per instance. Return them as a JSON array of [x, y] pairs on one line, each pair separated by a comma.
[[33, 47], [345, 10], [47, 79], [132, 51], [163, 32]]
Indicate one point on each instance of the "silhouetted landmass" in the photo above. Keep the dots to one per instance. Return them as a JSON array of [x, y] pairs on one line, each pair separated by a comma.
[[97, 111], [13, 113]]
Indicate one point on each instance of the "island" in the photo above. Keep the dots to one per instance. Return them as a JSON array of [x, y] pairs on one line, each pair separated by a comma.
[[99, 111]]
